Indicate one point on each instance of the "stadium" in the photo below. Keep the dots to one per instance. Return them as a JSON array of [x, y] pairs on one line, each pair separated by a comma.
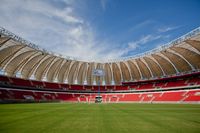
[[154, 91]]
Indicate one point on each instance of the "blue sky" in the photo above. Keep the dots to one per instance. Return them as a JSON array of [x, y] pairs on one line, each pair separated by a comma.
[[99, 29]]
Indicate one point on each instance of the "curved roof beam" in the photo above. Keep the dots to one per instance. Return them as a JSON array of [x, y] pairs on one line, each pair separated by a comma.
[[112, 81], [167, 67], [62, 73], [120, 71], [164, 56], [30, 66], [44, 73], [26, 62], [42, 67], [192, 57], [125, 71], [8, 53], [11, 43], [135, 72], [108, 74], [174, 52], [16, 63], [189, 47], [116, 73], [85, 73], [77, 72], [90, 77], [180, 64], [50, 74], [143, 68], [155, 67], [14, 55], [55, 74], [146, 64], [194, 43], [81, 73], [129, 70], [72, 72], [3, 40], [154, 60]]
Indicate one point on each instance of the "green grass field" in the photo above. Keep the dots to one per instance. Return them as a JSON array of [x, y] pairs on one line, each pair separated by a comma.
[[99, 118]]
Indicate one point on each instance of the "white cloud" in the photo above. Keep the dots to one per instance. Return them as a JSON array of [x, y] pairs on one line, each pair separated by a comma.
[[166, 29], [61, 30], [55, 29], [147, 38], [66, 15], [142, 24], [104, 4], [143, 40]]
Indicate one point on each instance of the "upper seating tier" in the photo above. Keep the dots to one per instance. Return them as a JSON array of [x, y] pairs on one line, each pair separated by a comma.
[[182, 81]]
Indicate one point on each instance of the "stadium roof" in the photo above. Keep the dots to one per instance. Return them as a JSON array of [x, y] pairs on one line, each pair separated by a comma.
[[19, 57]]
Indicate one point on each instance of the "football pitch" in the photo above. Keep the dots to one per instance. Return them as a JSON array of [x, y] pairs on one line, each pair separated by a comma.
[[99, 118]]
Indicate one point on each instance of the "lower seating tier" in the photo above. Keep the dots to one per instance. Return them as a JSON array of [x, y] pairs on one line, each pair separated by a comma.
[[192, 95]]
